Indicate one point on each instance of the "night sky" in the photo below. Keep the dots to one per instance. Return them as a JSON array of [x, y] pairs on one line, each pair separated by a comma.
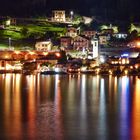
[[120, 9]]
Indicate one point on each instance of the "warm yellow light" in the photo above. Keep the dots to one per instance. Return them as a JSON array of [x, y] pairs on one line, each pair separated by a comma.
[[123, 61], [17, 52], [9, 67], [45, 53], [97, 71], [8, 22], [18, 67], [138, 43], [70, 70], [131, 67], [110, 72], [112, 62], [1, 68], [83, 68], [31, 53], [127, 61], [126, 72], [136, 66], [58, 54]]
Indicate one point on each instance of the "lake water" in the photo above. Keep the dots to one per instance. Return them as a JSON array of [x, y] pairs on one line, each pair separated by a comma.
[[69, 107]]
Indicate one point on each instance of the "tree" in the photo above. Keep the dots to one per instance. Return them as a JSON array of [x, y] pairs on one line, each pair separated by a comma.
[[133, 35], [77, 19], [63, 58], [133, 27], [24, 31]]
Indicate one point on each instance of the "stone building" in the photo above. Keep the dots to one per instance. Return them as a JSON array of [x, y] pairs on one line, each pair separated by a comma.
[[59, 16]]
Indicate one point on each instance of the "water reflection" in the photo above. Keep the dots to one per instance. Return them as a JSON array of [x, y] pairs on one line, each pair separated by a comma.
[[69, 107], [58, 109], [125, 107], [136, 112], [30, 110], [83, 105], [102, 110]]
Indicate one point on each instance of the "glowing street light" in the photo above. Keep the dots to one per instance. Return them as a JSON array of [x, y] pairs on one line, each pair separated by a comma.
[[57, 54], [71, 14], [138, 44], [9, 43]]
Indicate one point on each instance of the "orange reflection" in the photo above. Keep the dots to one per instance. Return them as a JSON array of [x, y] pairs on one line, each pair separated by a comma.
[[136, 112], [58, 107], [7, 87], [110, 84], [115, 85], [12, 105], [16, 106], [31, 105]]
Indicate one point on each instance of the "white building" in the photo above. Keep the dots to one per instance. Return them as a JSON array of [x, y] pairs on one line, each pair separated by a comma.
[[43, 46], [95, 47], [120, 35]]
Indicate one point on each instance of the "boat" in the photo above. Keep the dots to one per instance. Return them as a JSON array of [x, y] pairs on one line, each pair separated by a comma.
[[86, 70], [29, 72], [51, 71]]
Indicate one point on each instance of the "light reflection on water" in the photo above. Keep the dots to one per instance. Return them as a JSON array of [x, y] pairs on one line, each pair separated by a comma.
[[69, 107], [136, 111]]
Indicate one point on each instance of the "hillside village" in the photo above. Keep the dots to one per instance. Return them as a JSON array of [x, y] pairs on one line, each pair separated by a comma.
[[74, 34], [64, 31]]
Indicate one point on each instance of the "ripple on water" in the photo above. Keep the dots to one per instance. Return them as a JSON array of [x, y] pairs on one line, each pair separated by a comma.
[[48, 123]]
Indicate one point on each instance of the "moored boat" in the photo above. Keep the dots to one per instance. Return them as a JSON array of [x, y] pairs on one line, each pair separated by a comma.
[[53, 71]]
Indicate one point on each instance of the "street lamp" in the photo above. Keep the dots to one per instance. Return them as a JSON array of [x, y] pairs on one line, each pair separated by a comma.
[[71, 14], [9, 43]]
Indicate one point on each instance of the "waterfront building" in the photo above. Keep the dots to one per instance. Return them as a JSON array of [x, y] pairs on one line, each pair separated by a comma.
[[134, 43]]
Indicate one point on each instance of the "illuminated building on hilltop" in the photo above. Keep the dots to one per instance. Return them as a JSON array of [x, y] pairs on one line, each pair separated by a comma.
[[59, 16]]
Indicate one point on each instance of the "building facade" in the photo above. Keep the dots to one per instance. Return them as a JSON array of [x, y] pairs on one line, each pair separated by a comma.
[[103, 39], [89, 33], [59, 16], [43, 46], [95, 47], [66, 42], [72, 32], [80, 43]]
